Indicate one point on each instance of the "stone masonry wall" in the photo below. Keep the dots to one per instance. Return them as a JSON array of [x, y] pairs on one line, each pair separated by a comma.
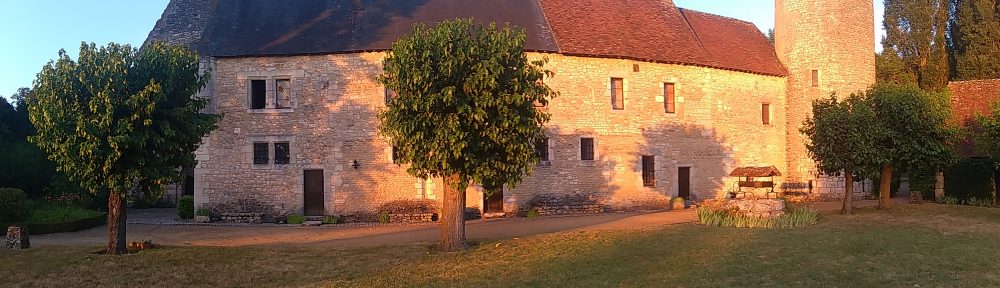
[[836, 38], [332, 123]]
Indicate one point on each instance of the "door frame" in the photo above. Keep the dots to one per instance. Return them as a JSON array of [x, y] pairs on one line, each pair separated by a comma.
[[324, 185], [503, 200], [677, 181]]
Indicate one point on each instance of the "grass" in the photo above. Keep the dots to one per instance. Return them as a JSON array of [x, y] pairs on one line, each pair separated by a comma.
[[794, 216], [51, 212], [908, 246]]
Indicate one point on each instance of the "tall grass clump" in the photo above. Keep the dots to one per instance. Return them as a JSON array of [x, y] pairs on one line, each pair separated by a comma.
[[794, 216]]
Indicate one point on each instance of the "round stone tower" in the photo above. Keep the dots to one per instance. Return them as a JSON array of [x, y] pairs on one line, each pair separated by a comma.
[[828, 46]]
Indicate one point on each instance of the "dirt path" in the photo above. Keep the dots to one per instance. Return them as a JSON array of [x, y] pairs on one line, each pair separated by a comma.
[[343, 236]]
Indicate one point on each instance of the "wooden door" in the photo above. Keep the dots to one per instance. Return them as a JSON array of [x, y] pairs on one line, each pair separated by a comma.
[[684, 182], [313, 192], [494, 202]]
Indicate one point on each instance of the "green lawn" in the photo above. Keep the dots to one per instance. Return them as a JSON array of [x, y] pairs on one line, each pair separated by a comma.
[[925, 246]]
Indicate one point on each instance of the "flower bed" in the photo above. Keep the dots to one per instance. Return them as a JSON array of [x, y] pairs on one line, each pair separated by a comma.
[[756, 213]]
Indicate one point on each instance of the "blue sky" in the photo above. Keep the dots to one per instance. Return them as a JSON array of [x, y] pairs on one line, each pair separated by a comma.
[[34, 31]]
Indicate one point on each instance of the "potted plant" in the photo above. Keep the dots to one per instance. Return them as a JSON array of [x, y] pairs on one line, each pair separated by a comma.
[[677, 203], [203, 215]]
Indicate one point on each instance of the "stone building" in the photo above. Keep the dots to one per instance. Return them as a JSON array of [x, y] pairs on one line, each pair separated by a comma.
[[655, 101]]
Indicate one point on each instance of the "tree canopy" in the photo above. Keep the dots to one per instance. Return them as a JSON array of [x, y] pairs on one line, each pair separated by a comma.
[[119, 116], [975, 39], [916, 35], [465, 109]]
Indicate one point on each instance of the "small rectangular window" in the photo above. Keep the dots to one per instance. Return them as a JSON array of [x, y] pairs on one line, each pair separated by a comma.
[[260, 151], [617, 93], [586, 148], [669, 100], [282, 93], [542, 148], [815, 78], [648, 171], [389, 95], [258, 94], [281, 153], [765, 113]]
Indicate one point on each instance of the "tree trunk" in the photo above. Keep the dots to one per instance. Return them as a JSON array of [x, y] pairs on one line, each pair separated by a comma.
[[453, 216], [885, 187], [848, 193], [116, 224]]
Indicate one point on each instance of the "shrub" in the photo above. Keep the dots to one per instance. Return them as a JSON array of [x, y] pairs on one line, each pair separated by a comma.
[[979, 202], [296, 219], [383, 217], [970, 178], [185, 207], [794, 216], [677, 199], [532, 213], [948, 200], [204, 212], [331, 219], [52, 212], [13, 205]]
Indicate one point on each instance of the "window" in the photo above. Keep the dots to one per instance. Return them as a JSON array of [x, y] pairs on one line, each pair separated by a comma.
[[395, 154], [648, 171], [281, 153], [542, 148], [815, 78], [765, 113], [282, 93], [260, 152], [389, 95], [258, 94], [669, 101], [587, 149], [617, 94]]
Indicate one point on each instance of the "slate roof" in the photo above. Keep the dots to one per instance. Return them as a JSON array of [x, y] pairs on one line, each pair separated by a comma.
[[646, 30], [969, 98]]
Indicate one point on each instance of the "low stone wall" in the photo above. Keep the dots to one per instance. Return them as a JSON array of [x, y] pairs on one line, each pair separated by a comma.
[[413, 218], [565, 205], [752, 207], [255, 218]]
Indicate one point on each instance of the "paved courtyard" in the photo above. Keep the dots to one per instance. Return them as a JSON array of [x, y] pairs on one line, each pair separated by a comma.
[[164, 231]]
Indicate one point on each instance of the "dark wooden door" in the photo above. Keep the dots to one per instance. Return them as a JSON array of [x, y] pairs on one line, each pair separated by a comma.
[[313, 192], [684, 182], [494, 202]]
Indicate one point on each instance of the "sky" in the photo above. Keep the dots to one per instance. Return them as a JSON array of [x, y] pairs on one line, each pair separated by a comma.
[[34, 31]]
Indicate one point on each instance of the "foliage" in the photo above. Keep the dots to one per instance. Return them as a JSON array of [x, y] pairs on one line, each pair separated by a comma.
[[794, 216], [204, 212], [890, 69], [949, 200], [24, 165], [977, 202], [296, 219], [533, 213], [916, 122], [383, 217], [975, 32], [50, 212], [185, 207], [677, 200], [987, 140], [970, 178], [331, 219], [13, 205], [845, 135], [117, 101], [465, 104], [916, 33]]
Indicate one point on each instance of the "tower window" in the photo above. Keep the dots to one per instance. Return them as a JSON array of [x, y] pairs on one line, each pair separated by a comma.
[[765, 113], [669, 100], [815, 78], [617, 93]]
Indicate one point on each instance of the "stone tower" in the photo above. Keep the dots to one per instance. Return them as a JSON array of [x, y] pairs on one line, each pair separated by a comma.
[[828, 46]]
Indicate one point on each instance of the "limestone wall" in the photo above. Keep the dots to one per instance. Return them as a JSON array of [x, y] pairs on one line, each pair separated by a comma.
[[332, 123]]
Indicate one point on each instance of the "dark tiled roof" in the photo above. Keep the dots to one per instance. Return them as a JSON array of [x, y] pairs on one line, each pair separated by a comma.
[[646, 30], [969, 98], [769, 171]]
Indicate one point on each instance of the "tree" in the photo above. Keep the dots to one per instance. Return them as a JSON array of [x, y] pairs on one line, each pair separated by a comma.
[[120, 116], [843, 139], [465, 110], [916, 33], [987, 139], [770, 35], [889, 69], [975, 39], [918, 137], [25, 167]]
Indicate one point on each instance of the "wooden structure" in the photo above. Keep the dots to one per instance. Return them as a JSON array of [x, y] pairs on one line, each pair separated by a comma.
[[751, 180]]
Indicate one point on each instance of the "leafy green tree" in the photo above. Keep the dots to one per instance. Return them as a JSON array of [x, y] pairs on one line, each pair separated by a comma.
[[465, 110], [119, 116], [987, 138], [889, 69], [916, 33], [24, 165], [975, 39], [844, 137], [918, 136]]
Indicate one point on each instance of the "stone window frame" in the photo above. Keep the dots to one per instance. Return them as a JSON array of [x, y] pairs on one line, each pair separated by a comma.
[[271, 140], [814, 78], [549, 146], [271, 78], [579, 150], [769, 119], [643, 172], [611, 92]]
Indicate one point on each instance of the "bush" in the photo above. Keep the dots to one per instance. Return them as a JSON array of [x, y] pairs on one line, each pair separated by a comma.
[[330, 219], [185, 207], [204, 212], [794, 216], [296, 219], [13, 205], [532, 213], [383, 217], [970, 178], [49, 212], [949, 200], [677, 199]]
